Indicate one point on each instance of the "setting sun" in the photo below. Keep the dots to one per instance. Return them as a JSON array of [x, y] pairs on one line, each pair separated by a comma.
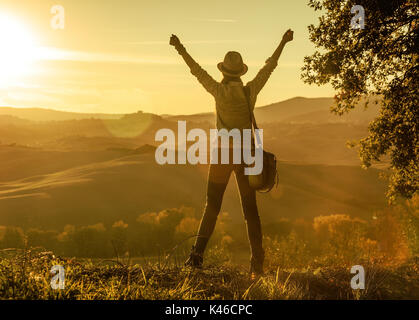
[[17, 49]]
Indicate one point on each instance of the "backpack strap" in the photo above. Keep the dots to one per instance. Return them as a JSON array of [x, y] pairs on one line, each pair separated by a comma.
[[252, 117], [246, 90]]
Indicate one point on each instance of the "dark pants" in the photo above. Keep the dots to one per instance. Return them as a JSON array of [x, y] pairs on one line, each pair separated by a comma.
[[218, 177]]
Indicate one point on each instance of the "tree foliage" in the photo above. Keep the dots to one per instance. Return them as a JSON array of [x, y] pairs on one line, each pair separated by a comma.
[[381, 61]]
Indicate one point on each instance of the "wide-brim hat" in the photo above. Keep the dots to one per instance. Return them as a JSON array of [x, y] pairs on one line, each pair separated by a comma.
[[233, 65]]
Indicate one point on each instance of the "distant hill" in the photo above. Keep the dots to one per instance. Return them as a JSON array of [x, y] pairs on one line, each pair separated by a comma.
[[130, 131], [298, 109], [303, 135], [281, 111], [313, 110], [40, 114]]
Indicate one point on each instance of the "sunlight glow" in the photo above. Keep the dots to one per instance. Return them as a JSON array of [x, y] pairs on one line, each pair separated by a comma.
[[17, 47]]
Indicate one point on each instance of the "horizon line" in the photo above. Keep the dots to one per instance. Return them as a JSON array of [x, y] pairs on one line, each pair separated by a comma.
[[159, 114]]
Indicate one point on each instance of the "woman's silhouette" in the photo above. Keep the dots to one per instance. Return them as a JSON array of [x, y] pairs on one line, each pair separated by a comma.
[[232, 109]]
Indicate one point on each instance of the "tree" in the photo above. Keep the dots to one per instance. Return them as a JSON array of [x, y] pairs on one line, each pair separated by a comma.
[[41, 238], [12, 237], [381, 61], [119, 237], [91, 241]]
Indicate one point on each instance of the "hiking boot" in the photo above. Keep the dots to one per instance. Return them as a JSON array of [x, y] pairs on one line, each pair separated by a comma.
[[255, 276], [195, 259], [256, 267]]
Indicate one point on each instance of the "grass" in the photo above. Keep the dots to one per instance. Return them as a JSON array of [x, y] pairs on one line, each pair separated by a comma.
[[26, 275]]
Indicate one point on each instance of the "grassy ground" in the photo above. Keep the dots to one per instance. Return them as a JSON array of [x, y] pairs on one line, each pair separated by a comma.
[[25, 275]]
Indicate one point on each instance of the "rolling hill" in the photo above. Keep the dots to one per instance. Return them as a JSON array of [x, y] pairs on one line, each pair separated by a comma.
[[56, 189], [83, 169]]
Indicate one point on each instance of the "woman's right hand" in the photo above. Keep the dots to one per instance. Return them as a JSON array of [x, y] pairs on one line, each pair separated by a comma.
[[174, 41], [288, 36]]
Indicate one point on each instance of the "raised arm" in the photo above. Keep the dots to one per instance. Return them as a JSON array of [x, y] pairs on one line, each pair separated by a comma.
[[203, 77], [263, 75]]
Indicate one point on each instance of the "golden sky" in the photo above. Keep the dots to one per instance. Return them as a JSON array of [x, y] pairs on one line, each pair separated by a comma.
[[114, 56]]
